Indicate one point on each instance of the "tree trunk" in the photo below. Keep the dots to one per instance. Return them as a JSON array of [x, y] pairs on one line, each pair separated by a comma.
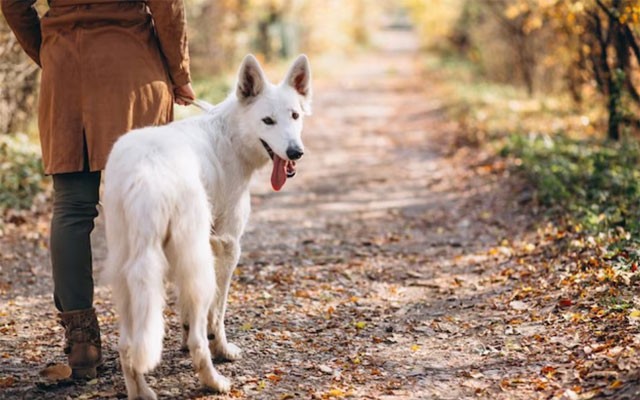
[[615, 100]]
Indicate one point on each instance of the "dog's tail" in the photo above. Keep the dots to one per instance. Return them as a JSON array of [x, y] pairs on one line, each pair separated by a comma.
[[136, 266], [143, 277]]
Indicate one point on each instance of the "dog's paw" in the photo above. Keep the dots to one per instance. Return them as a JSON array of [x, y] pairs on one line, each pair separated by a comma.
[[147, 395], [226, 352], [217, 382], [143, 393], [223, 384]]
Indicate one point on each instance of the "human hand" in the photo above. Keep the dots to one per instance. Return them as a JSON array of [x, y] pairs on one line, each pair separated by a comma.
[[184, 94]]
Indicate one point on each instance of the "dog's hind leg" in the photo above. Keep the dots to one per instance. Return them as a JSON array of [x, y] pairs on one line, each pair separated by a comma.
[[137, 387], [194, 280], [227, 252], [190, 253]]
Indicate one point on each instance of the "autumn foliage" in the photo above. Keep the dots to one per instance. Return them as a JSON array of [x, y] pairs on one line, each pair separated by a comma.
[[589, 49], [222, 32]]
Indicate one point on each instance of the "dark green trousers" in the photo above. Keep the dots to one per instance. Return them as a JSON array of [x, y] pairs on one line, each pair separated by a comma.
[[75, 199]]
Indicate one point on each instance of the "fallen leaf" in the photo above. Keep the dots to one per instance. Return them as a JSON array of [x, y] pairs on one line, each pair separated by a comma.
[[326, 369], [519, 305], [56, 372], [615, 384], [7, 381], [565, 303], [548, 371], [336, 393]]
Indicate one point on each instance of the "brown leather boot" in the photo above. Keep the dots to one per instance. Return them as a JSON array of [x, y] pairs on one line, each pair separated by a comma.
[[83, 347]]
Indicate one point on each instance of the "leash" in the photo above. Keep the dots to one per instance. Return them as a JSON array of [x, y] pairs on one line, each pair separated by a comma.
[[201, 104]]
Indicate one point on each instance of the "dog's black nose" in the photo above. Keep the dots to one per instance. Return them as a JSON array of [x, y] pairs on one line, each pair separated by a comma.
[[294, 153]]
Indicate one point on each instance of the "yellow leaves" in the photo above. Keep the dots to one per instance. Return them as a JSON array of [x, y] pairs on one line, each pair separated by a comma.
[[634, 317], [532, 24], [337, 393], [415, 348], [515, 10], [577, 6], [532, 18], [615, 384], [246, 327], [526, 289], [500, 251], [548, 371], [576, 317], [360, 325], [607, 274], [630, 14]]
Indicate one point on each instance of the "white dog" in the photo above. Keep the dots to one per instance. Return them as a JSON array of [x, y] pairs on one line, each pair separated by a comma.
[[176, 202]]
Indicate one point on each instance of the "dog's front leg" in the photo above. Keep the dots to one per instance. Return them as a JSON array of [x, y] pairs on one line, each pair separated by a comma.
[[226, 250]]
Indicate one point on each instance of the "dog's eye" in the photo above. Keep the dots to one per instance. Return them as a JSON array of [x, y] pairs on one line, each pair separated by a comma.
[[268, 121], [295, 115]]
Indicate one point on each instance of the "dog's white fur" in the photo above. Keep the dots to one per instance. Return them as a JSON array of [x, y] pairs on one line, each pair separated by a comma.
[[176, 202]]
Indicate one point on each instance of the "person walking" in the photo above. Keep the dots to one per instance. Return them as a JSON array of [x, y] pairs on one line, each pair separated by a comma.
[[108, 67]]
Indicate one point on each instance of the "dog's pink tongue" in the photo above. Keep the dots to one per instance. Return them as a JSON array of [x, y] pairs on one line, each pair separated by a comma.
[[279, 173]]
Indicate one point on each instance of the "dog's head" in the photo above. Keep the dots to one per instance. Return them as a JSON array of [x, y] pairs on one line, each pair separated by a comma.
[[276, 113]]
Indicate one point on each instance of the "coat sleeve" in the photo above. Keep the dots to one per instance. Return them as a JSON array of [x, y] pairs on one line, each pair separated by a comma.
[[171, 27], [23, 20]]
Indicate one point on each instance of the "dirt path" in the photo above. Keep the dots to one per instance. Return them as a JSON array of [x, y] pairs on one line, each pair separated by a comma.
[[372, 274]]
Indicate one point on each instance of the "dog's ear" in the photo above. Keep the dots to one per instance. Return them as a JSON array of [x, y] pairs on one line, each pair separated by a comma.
[[251, 79], [299, 78]]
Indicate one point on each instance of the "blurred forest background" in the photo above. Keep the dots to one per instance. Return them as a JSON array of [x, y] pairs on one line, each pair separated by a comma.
[[588, 50], [553, 83]]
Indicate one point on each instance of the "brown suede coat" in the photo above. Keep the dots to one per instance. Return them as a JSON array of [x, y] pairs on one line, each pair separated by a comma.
[[108, 66]]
